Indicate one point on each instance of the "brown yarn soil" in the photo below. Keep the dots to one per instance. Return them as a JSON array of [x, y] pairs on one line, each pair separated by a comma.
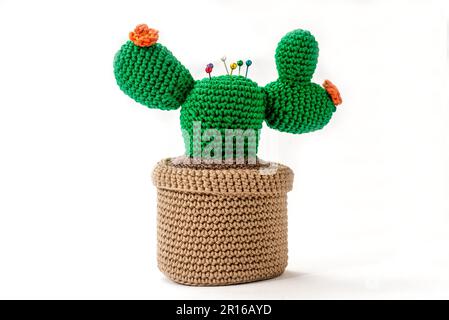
[[186, 162], [222, 225]]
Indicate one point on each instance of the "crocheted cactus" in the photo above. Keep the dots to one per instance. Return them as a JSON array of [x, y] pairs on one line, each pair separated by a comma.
[[224, 105], [294, 103]]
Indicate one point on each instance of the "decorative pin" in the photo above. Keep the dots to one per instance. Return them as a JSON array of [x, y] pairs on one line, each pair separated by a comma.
[[248, 63], [233, 67], [240, 64], [209, 68], [224, 62]]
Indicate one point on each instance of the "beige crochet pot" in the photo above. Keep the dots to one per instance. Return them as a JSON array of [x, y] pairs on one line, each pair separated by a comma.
[[221, 225]]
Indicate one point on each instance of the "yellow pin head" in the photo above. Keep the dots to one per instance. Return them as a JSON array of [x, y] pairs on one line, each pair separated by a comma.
[[233, 67]]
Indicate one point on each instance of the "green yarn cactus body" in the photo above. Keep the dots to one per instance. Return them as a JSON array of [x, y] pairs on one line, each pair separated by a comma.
[[296, 57], [295, 104], [152, 76], [297, 109], [223, 103]]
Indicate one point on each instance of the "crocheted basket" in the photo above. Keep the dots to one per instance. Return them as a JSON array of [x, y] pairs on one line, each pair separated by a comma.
[[221, 225]]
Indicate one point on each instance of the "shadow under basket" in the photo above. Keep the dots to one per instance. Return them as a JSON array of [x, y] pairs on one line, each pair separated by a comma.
[[221, 225]]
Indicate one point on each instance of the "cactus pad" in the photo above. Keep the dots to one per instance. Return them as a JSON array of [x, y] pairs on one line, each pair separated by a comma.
[[296, 57], [152, 76]]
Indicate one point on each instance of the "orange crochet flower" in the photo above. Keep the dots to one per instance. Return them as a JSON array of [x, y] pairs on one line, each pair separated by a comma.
[[144, 36], [333, 92]]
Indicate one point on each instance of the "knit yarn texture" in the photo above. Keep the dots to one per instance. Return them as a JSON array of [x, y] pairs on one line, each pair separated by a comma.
[[221, 226], [152, 76], [296, 57], [302, 108], [224, 104]]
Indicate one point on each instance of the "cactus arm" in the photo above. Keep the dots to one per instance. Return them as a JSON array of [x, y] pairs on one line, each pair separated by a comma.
[[294, 104], [297, 109], [151, 75]]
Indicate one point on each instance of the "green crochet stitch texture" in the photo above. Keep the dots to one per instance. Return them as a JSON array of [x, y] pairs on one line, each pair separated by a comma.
[[296, 57], [222, 103], [153, 77], [302, 108]]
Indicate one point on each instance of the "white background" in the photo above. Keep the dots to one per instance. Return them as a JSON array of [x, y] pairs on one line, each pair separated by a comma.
[[369, 212]]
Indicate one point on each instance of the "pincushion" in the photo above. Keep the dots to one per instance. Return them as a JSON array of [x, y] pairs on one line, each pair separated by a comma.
[[222, 213]]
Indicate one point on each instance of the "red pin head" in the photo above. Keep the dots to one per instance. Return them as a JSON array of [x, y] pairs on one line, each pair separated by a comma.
[[209, 68]]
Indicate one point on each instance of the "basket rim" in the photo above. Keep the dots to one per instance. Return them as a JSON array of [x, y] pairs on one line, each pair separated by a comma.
[[272, 179]]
